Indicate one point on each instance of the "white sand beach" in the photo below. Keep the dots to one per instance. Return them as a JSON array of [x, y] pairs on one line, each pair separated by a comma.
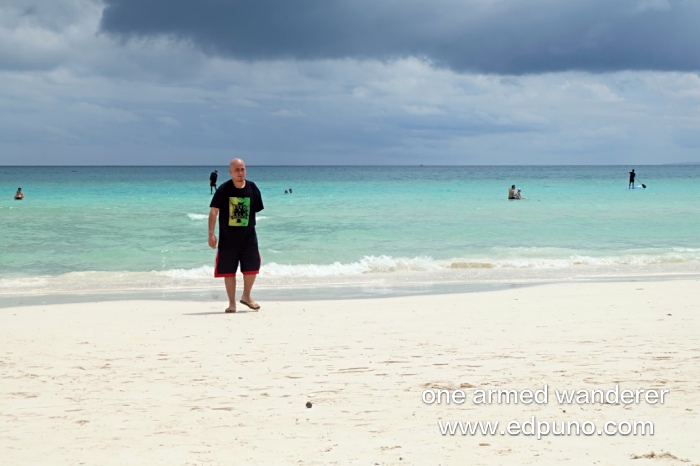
[[182, 383]]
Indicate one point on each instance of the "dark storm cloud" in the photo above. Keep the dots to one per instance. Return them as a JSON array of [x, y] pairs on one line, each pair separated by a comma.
[[505, 37]]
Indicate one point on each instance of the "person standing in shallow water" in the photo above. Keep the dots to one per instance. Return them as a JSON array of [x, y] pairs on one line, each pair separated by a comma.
[[235, 204], [632, 175], [19, 195], [212, 180]]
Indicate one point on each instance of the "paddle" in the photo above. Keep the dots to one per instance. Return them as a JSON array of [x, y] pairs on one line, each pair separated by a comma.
[[643, 185]]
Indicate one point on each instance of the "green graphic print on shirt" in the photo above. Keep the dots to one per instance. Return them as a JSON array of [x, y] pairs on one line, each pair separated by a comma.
[[239, 211]]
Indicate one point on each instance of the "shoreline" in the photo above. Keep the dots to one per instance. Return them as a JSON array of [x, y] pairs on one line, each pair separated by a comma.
[[315, 293], [180, 382], [286, 293]]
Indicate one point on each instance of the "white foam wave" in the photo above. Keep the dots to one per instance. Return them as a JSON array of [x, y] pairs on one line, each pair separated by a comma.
[[676, 255], [205, 271], [368, 264], [22, 283], [375, 269], [388, 264]]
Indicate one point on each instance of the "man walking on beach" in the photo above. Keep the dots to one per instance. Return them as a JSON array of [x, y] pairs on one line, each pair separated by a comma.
[[238, 200], [212, 180]]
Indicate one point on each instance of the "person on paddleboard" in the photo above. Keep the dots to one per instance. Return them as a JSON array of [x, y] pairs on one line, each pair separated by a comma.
[[632, 175]]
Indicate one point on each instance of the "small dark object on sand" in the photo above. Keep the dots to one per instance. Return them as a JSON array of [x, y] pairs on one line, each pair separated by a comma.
[[308, 404]]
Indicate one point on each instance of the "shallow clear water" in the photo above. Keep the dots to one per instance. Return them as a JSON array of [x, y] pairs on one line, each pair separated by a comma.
[[111, 228]]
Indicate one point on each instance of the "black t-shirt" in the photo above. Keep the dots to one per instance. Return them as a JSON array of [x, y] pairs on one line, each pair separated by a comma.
[[213, 177], [237, 208], [632, 176]]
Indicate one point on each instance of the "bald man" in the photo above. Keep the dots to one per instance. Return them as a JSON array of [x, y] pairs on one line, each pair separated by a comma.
[[238, 200]]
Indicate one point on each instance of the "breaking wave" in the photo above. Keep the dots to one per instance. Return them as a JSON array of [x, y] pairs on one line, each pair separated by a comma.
[[368, 264], [381, 269]]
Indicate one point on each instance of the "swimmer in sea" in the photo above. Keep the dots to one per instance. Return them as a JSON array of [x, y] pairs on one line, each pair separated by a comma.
[[19, 195]]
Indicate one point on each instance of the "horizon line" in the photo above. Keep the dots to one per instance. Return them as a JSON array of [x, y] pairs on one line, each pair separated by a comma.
[[375, 165]]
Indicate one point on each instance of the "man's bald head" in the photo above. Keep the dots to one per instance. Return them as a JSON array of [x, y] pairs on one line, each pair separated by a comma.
[[237, 171], [237, 163]]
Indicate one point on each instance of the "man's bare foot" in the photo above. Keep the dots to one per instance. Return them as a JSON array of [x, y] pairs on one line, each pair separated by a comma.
[[231, 308]]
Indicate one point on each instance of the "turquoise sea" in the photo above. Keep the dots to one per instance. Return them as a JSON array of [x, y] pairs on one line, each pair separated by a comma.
[[108, 229]]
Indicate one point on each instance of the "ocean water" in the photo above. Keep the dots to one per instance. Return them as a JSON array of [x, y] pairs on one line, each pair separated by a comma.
[[105, 229]]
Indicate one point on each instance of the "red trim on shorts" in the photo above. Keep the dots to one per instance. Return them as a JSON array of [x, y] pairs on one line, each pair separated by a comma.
[[216, 269]]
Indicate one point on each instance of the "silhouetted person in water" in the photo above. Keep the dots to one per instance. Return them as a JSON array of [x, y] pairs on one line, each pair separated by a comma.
[[212, 180]]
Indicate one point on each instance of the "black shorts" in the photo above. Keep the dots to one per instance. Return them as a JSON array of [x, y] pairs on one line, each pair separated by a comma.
[[227, 261]]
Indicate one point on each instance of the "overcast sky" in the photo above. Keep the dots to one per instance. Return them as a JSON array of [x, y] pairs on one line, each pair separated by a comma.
[[349, 82]]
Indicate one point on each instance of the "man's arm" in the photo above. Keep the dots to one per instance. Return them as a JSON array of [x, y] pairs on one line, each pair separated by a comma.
[[259, 204], [213, 213]]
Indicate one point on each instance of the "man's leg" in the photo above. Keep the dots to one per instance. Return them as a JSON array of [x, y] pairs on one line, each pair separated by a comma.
[[230, 283], [248, 280]]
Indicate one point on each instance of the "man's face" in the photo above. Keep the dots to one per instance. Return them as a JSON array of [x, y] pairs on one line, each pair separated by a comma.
[[237, 170]]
